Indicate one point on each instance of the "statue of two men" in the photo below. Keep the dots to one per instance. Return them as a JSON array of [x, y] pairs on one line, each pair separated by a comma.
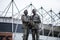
[[31, 23]]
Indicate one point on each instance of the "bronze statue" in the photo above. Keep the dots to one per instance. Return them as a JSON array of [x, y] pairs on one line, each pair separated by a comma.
[[35, 20], [25, 21], [31, 22]]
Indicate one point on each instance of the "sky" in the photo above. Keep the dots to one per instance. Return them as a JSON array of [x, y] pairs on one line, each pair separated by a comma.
[[46, 4]]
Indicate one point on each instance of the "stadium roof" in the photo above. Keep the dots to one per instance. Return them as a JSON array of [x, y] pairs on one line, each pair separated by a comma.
[[47, 9]]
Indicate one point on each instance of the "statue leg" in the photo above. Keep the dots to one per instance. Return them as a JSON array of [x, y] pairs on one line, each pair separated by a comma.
[[37, 34], [33, 34], [26, 33]]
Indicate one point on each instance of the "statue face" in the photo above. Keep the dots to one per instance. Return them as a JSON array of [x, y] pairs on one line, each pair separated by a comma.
[[25, 12], [34, 11]]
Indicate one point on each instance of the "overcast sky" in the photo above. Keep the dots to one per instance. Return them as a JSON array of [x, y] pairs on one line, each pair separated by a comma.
[[47, 4]]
